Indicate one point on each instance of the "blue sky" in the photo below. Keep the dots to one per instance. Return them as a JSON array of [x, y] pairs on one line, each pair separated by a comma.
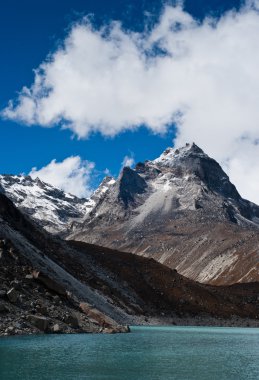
[[30, 30]]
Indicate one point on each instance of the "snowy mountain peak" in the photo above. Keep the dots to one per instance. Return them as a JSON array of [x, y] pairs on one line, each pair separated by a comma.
[[180, 209], [50, 207], [191, 163], [181, 180], [172, 155], [180, 176]]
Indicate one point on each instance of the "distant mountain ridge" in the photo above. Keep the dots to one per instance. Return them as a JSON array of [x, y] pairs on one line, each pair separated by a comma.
[[50, 207]]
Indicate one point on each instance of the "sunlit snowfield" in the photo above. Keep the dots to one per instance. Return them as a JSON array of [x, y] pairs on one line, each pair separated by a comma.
[[163, 353]]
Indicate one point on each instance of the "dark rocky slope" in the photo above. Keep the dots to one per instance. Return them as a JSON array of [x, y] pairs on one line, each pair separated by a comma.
[[36, 293], [160, 291], [31, 302], [48, 285]]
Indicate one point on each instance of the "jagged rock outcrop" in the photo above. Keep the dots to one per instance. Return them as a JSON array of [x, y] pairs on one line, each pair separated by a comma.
[[130, 184], [182, 210]]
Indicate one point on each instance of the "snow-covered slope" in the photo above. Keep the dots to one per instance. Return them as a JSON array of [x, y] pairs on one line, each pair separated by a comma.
[[50, 207]]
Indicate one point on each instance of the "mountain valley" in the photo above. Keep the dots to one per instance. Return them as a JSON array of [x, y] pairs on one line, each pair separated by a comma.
[[50, 285], [169, 242]]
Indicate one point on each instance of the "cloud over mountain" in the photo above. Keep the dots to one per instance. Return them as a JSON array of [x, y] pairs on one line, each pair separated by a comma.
[[71, 175], [128, 161], [202, 76]]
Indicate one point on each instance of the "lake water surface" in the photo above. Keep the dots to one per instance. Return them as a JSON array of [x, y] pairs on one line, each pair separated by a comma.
[[148, 353]]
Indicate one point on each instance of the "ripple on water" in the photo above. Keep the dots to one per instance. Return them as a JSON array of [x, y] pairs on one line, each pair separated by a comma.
[[148, 353]]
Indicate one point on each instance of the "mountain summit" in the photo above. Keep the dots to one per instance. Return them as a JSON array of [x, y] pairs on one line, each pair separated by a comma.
[[180, 209], [178, 182]]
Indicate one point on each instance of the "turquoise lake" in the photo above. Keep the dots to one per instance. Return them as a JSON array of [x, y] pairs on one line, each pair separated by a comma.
[[148, 353]]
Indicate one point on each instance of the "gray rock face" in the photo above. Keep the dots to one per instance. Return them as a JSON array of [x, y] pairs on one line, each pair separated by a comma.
[[99, 193], [179, 181], [130, 184], [176, 209]]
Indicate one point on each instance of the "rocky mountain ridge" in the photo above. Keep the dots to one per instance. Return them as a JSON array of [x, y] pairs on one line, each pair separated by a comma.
[[182, 210], [50, 207]]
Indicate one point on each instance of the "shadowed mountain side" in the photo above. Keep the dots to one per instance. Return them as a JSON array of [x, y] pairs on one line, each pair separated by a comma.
[[121, 287], [159, 288]]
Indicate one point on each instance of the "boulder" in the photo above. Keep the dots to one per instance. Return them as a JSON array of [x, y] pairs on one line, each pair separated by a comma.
[[10, 330], [108, 330], [56, 329], [2, 243], [50, 283], [42, 323], [96, 315], [72, 320], [29, 277], [56, 299], [116, 329], [12, 295], [16, 284]]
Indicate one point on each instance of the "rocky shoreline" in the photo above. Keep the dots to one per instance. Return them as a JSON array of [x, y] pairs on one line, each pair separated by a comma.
[[76, 323], [201, 321]]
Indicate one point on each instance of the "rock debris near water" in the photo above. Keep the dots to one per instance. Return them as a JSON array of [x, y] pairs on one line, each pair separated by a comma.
[[48, 285], [32, 303]]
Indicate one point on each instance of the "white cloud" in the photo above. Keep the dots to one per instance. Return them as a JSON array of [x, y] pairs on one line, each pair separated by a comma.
[[72, 175], [128, 161], [207, 83]]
